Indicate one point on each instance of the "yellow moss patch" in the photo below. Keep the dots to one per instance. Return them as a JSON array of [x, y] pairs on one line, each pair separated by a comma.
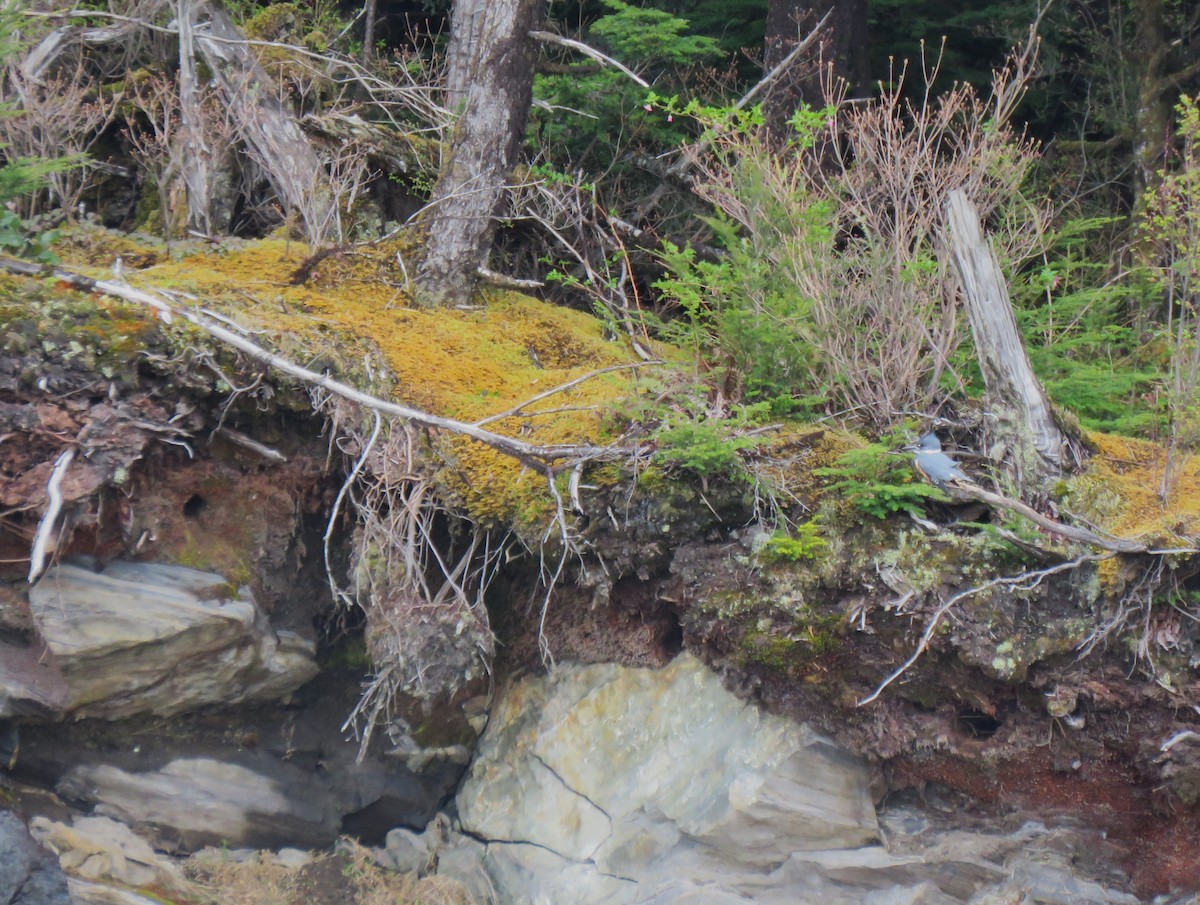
[[99, 249], [1119, 493], [464, 364], [791, 456], [1120, 489]]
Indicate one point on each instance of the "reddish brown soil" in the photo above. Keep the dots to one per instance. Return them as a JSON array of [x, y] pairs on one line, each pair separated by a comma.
[[1160, 842]]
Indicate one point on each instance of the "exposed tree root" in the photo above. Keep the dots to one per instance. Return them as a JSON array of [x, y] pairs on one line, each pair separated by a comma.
[[45, 531], [1024, 581]]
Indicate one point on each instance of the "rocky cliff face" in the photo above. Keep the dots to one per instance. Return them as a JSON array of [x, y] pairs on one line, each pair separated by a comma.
[[183, 669], [605, 784]]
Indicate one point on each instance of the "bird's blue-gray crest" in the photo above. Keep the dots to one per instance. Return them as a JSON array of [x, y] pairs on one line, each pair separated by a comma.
[[929, 443], [938, 467]]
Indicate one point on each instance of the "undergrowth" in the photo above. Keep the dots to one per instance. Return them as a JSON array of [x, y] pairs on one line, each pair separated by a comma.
[[876, 481]]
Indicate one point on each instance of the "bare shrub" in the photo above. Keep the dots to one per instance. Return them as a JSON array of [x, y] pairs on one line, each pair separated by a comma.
[[154, 139], [58, 117], [349, 174], [850, 218], [597, 260]]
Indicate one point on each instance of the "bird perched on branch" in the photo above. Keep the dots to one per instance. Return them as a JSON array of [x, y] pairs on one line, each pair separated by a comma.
[[938, 468]]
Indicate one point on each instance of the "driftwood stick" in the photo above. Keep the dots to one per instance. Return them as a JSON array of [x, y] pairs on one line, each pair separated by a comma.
[[45, 530], [540, 458]]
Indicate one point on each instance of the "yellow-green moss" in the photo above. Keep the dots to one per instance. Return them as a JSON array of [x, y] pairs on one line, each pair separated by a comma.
[[463, 364], [1119, 493]]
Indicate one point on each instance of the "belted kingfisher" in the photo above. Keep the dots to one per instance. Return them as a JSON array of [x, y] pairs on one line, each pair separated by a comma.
[[934, 464]]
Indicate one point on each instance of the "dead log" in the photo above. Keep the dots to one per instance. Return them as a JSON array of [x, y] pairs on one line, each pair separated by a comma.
[[198, 158], [274, 136], [1013, 390]]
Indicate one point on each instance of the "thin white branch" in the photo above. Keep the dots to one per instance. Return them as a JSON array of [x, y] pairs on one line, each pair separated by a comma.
[[45, 530], [1026, 581], [237, 437], [338, 593], [587, 50], [517, 409]]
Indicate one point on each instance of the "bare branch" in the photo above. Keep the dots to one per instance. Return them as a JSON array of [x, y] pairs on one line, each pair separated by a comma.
[[541, 458], [587, 50], [692, 154], [517, 409], [1071, 532]]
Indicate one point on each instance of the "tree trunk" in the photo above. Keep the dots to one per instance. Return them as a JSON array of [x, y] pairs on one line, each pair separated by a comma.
[[198, 159], [491, 84], [843, 55], [274, 136], [369, 13], [1155, 103], [1014, 393]]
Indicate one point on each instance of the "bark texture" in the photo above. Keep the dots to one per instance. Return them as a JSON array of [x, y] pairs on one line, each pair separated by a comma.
[[198, 159], [1011, 383], [274, 136], [491, 86], [841, 54]]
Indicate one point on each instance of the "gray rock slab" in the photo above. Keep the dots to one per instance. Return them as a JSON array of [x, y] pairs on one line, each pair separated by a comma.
[[29, 874], [31, 684], [622, 786], [161, 639], [193, 802], [576, 764]]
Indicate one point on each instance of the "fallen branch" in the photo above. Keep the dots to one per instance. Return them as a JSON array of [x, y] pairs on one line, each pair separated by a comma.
[[541, 458], [45, 530], [1071, 532], [1025, 581]]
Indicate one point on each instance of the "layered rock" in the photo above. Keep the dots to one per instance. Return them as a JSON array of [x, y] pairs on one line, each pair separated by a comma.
[[613, 785], [193, 802], [271, 775], [142, 638]]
